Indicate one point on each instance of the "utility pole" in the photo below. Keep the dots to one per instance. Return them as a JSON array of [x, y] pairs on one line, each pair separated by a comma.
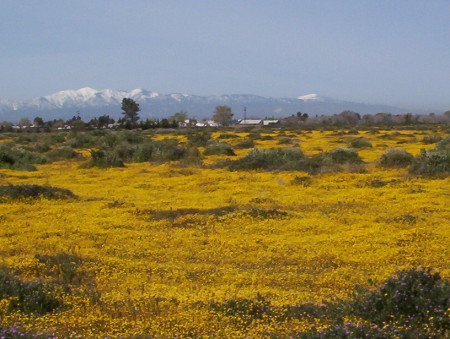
[[245, 113]]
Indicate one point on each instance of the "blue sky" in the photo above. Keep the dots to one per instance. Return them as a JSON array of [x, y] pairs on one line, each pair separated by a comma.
[[384, 51]]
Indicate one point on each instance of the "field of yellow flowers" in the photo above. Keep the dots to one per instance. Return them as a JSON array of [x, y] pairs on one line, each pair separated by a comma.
[[154, 250]]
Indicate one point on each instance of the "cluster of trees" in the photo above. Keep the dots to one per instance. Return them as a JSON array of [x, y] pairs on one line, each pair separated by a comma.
[[352, 118], [130, 119], [223, 116]]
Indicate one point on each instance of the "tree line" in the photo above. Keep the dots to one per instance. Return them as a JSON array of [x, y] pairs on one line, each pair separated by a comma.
[[222, 116]]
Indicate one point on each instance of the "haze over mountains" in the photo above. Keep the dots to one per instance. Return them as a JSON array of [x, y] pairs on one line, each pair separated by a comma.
[[89, 103]]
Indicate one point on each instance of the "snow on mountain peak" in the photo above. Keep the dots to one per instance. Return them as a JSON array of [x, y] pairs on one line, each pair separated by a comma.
[[311, 97], [87, 91]]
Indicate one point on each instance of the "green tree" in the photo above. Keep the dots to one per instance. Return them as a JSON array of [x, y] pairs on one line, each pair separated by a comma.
[[101, 122], [223, 115], [6, 126], [130, 110], [179, 117], [38, 121], [24, 122]]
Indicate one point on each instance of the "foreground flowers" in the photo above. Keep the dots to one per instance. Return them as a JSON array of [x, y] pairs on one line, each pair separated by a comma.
[[164, 251]]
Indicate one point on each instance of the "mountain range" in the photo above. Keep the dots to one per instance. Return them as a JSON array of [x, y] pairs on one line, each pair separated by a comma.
[[89, 103]]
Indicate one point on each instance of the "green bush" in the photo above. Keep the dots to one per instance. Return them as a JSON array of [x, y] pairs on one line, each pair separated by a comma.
[[81, 140], [271, 159], [18, 158], [159, 151], [41, 147], [444, 145], [219, 148], [293, 159], [131, 137], [103, 159], [431, 162], [56, 138], [396, 157], [199, 139], [123, 151], [342, 155], [60, 153]]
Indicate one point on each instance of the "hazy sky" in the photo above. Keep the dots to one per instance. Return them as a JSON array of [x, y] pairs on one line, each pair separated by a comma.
[[384, 51]]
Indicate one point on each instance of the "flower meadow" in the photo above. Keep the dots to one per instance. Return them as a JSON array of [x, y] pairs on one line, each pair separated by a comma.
[[258, 233]]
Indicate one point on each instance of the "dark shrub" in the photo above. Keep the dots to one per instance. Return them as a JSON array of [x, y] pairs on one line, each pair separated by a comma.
[[81, 140], [412, 304], [131, 137], [265, 214], [303, 181], [431, 162], [351, 330], [34, 192], [61, 153], [191, 157], [108, 140], [199, 139], [18, 158], [270, 159], [360, 143], [227, 136], [266, 137], [247, 143], [173, 214], [57, 138], [103, 159], [41, 147], [123, 151], [28, 297], [431, 139], [285, 141], [342, 155], [412, 295], [25, 139], [160, 151], [444, 145], [218, 148], [352, 131], [396, 157]]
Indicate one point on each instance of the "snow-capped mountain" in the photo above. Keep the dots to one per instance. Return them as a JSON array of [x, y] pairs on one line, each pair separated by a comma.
[[89, 103], [313, 97]]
